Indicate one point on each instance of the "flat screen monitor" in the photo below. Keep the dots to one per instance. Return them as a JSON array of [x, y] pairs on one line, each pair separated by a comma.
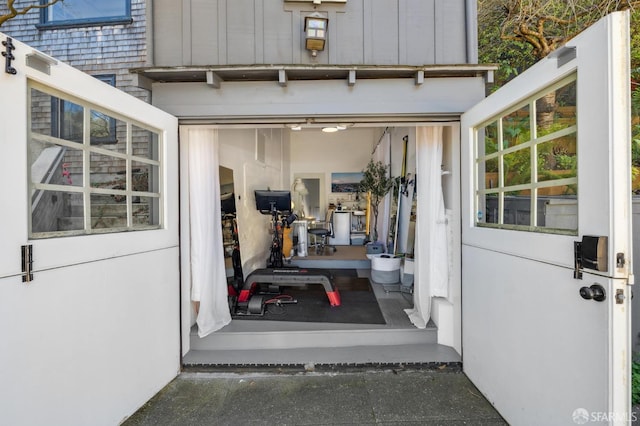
[[269, 201]]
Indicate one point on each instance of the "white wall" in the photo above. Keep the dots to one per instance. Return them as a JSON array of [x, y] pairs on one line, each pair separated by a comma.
[[239, 151], [313, 151]]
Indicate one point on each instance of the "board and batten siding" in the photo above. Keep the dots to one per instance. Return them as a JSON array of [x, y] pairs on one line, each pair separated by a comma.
[[380, 32]]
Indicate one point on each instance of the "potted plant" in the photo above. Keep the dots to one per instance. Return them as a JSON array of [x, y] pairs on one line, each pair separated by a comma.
[[376, 181]]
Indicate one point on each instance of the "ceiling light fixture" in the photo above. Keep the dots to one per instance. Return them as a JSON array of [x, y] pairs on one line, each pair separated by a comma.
[[326, 127]]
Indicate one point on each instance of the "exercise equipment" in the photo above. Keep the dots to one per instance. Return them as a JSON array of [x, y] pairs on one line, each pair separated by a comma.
[[290, 277], [278, 205]]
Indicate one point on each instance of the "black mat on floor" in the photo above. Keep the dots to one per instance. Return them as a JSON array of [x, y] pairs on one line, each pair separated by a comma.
[[358, 304], [343, 272]]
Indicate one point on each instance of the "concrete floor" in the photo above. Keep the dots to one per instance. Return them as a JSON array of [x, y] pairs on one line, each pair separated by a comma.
[[371, 397]]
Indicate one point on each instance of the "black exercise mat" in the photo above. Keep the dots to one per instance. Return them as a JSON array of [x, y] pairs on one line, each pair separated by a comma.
[[358, 304], [343, 272]]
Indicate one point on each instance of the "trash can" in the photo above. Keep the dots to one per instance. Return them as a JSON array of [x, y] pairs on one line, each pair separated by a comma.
[[385, 268]]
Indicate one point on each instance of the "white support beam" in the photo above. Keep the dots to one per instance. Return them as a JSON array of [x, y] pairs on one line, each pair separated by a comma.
[[419, 77], [352, 78], [282, 78], [489, 77], [142, 82], [213, 80]]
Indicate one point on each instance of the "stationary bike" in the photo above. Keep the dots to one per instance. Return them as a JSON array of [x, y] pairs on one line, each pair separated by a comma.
[[276, 257]]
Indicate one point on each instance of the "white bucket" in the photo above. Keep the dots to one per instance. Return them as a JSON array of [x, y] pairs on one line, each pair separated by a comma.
[[385, 269], [406, 272]]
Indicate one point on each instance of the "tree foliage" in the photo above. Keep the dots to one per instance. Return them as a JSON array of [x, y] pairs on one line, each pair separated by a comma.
[[13, 11], [517, 33], [377, 181]]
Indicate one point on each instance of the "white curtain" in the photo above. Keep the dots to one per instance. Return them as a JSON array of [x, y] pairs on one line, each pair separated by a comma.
[[431, 273], [208, 275]]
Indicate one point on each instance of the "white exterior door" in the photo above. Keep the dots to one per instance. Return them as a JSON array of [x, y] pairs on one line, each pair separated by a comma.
[[544, 347], [91, 331]]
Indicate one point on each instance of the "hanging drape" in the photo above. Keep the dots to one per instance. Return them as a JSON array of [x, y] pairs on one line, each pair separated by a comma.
[[431, 269], [208, 276]]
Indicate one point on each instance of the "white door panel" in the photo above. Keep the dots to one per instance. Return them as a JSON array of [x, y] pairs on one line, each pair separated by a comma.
[[96, 333], [604, 166], [531, 343], [52, 253], [89, 344], [528, 352], [12, 172]]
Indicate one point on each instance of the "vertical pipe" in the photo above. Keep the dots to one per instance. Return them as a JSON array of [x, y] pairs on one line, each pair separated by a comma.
[[472, 31]]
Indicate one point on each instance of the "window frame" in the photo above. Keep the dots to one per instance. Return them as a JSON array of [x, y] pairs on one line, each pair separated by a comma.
[[502, 189], [129, 192], [57, 108], [45, 23]]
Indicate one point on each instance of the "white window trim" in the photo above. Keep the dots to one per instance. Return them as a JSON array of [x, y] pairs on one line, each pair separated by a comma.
[[87, 148]]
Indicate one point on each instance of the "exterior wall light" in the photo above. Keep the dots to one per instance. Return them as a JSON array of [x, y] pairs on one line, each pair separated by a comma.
[[315, 32]]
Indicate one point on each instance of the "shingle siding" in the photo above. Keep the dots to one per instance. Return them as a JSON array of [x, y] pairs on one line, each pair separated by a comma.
[[101, 49]]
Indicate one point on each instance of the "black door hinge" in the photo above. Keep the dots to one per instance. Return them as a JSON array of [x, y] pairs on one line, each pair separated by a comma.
[[577, 260], [27, 263], [8, 56]]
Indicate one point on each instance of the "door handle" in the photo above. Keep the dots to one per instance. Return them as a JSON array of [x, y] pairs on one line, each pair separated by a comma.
[[595, 292]]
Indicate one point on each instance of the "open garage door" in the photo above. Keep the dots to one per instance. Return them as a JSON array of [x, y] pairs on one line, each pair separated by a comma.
[[89, 321], [547, 236]]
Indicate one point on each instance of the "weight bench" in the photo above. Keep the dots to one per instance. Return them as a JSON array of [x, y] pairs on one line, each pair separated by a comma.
[[291, 277]]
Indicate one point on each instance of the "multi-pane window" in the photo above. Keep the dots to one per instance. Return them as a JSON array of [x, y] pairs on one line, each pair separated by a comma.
[[526, 164], [81, 186], [86, 12], [67, 123]]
